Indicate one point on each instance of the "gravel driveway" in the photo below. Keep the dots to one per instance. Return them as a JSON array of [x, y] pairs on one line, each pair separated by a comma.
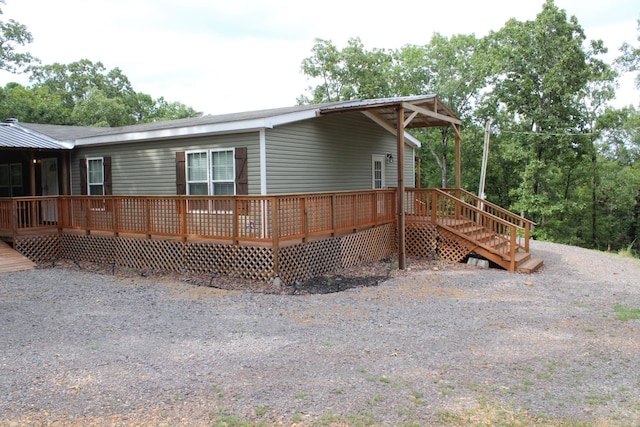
[[448, 346]]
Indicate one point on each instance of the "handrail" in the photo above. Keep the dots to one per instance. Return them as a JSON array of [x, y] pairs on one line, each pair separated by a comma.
[[493, 206], [231, 218], [430, 204]]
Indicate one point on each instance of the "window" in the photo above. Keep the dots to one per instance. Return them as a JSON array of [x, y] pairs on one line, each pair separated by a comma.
[[11, 179], [95, 176], [211, 172]]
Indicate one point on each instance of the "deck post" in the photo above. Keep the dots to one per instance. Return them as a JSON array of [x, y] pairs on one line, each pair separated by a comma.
[[275, 234], [236, 221], [182, 207], [400, 189], [512, 249], [458, 156], [305, 219]]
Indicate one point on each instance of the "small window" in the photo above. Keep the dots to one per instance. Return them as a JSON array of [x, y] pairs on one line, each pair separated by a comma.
[[222, 173], [11, 180], [197, 179], [95, 176]]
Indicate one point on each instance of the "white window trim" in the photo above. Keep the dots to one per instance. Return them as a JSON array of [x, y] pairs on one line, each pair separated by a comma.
[[210, 180], [89, 183], [382, 159], [233, 169]]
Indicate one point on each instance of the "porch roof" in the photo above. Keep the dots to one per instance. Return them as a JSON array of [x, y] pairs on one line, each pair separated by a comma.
[[419, 111], [15, 136]]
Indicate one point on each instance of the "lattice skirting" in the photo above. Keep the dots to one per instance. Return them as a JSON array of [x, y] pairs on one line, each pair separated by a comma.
[[39, 248], [310, 259], [246, 262], [296, 262], [169, 255], [452, 248], [421, 240]]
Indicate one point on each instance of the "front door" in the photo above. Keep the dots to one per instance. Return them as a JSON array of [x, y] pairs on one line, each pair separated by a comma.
[[49, 181], [377, 171]]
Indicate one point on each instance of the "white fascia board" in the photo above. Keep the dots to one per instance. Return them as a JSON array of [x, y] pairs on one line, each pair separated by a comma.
[[207, 129]]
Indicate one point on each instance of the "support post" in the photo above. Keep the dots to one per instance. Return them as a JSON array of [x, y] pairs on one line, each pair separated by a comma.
[[400, 190], [275, 234], [458, 156]]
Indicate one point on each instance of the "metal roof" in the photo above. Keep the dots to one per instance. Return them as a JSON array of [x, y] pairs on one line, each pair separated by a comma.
[[16, 136], [419, 111]]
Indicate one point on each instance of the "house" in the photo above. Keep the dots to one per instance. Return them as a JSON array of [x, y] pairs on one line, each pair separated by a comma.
[[287, 150], [224, 171]]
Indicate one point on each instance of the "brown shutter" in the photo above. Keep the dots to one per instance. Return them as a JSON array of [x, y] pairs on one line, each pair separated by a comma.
[[108, 183], [181, 174], [83, 177], [242, 175], [242, 179]]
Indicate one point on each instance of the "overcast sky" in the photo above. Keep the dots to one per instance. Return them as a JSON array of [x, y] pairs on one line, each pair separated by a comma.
[[239, 55]]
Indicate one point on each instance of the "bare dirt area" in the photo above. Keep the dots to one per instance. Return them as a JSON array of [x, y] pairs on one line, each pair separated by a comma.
[[438, 344]]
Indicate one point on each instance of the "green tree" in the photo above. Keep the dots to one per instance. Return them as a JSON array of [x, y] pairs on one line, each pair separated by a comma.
[[75, 81], [85, 93], [37, 105], [453, 69], [541, 75], [96, 109], [13, 36], [350, 73], [629, 59]]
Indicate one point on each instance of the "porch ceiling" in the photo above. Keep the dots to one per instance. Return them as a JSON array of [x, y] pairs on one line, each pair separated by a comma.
[[419, 111]]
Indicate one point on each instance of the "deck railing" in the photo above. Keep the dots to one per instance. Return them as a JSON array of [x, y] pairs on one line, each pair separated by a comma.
[[444, 207], [266, 219]]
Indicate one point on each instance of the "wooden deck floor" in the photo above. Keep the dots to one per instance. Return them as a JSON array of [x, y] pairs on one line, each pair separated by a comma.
[[11, 260]]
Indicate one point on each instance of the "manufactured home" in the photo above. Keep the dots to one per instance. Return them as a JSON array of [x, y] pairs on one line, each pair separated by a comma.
[[288, 192]]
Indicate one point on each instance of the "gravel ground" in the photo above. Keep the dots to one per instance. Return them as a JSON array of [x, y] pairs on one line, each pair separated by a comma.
[[440, 344]]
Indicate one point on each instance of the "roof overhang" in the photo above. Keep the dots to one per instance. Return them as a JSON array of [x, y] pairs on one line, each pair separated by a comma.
[[14, 136], [237, 126], [419, 111]]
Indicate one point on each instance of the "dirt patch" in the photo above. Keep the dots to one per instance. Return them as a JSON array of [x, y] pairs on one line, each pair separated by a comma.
[[366, 275]]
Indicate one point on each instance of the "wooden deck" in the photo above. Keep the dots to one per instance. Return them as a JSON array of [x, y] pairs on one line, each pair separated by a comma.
[[11, 260], [471, 225]]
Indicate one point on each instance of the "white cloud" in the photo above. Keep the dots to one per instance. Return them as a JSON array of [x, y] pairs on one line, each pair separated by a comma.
[[246, 54]]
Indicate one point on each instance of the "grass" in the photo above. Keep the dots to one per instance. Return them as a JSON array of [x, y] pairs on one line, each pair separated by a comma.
[[625, 313]]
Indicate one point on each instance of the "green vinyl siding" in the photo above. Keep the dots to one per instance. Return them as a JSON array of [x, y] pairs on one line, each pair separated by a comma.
[[330, 153], [149, 167]]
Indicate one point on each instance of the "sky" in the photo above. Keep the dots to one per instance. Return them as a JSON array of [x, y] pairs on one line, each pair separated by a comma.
[[232, 56]]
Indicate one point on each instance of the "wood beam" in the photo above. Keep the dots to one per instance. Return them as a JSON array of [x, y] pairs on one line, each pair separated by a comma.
[[400, 189], [458, 157], [430, 113], [390, 126], [410, 118]]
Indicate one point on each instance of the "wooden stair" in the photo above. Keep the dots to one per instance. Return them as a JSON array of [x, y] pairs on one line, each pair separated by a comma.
[[489, 245], [11, 260]]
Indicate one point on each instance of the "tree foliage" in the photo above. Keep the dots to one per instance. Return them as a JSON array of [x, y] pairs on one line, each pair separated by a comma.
[[13, 37], [84, 93], [629, 60]]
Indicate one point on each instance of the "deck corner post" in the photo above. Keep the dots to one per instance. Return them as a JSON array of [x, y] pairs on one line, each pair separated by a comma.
[[183, 219], [235, 221], [275, 235], [400, 188], [512, 250]]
